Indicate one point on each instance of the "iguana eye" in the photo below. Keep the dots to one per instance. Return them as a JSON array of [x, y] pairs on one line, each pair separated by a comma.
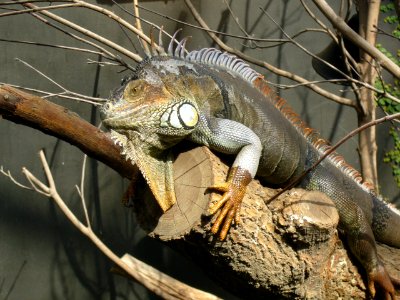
[[180, 116], [132, 90], [188, 115]]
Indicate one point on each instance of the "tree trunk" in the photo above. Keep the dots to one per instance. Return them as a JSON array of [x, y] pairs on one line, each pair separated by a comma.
[[369, 14]]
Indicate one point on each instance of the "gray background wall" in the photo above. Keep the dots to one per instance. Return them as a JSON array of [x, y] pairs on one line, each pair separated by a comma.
[[41, 255]]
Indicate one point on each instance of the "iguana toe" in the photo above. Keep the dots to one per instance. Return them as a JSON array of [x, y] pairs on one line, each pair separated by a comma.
[[230, 202], [379, 279]]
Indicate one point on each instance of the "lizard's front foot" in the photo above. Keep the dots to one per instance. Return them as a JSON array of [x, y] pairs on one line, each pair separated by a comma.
[[380, 279], [233, 191]]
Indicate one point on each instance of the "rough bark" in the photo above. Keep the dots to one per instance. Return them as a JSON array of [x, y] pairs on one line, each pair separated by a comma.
[[289, 248]]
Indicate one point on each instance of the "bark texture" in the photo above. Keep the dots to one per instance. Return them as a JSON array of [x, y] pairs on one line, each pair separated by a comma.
[[288, 248]]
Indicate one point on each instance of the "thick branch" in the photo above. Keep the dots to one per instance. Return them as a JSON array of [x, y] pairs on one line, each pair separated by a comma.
[[35, 112], [368, 14]]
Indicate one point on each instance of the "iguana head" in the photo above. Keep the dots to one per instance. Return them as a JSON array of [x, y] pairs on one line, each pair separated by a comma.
[[152, 111]]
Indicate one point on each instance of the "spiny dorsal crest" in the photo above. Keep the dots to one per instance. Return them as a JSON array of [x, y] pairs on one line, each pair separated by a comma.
[[231, 63], [207, 56]]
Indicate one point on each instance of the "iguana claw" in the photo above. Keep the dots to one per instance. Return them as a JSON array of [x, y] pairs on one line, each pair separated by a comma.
[[233, 190], [379, 278]]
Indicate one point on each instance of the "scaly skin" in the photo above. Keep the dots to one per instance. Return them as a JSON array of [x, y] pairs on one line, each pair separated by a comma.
[[229, 108]]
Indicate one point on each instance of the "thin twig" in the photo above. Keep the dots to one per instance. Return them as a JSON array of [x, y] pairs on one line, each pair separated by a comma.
[[304, 49], [156, 281], [8, 174], [210, 30], [89, 33], [283, 41], [381, 31], [290, 86], [236, 19], [36, 184], [60, 95], [38, 9], [318, 21], [78, 38], [60, 47], [88, 98], [28, 1], [81, 191], [116, 18]]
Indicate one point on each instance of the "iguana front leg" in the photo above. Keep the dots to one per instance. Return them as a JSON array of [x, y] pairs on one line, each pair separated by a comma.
[[230, 137]]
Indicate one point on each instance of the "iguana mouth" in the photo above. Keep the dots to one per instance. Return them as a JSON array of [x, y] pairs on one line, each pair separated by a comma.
[[123, 117]]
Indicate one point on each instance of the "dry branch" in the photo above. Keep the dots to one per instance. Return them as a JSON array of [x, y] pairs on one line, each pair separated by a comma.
[[159, 283], [87, 32], [35, 112]]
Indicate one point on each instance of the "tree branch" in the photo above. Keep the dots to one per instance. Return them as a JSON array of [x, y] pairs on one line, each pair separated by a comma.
[[35, 112], [159, 283], [341, 25]]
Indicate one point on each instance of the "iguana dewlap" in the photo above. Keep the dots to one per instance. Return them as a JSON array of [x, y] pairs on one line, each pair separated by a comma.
[[217, 100]]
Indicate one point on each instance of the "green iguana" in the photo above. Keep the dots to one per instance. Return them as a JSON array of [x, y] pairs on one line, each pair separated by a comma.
[[215, 99]]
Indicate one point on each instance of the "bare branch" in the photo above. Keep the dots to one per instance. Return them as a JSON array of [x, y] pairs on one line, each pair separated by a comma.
[[37, 9], [36, 184], [48, 94], [29, 1], [102, 53], [89, 33], [210, 30], [83, 98], [145, 45], [156, 281], [341, 25], [81, 192], [236, 19], [8, 174]]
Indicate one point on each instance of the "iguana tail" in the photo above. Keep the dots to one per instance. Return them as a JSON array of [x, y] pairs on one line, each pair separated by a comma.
[[386, 223]]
